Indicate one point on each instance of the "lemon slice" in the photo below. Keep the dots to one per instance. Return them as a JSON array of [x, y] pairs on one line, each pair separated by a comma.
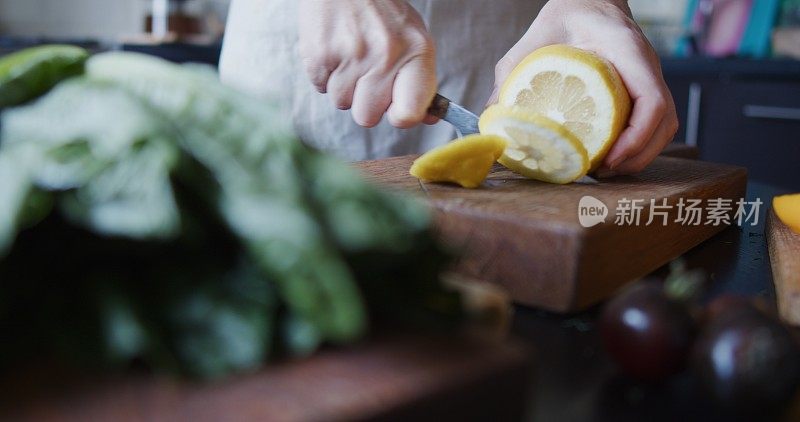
[[465, 161], [575, 88], [538, 147], [787, 208]]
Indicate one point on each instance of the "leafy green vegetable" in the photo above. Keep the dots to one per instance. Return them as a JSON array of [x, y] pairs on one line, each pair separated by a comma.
[[14, 192], [188, 229], [251, 151], [115, 173], [30, 73]]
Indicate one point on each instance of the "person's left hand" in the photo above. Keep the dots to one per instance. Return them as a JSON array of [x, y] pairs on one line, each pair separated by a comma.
[[607, 28]]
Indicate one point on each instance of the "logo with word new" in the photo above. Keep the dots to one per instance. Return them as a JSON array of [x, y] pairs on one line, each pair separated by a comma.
[[591, 211]]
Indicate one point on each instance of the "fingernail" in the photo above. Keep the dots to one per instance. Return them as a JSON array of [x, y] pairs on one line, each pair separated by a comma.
[[603, 173], [616, 162]]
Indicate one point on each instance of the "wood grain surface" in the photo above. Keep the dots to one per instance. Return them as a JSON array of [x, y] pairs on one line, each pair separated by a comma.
[[525, 235], [395, 377], [680, 151], [784, 257]]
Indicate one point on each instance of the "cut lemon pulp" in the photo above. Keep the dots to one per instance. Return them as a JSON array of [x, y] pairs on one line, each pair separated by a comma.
[[538, 147], [787, 208], [465, 161], [575, 88]]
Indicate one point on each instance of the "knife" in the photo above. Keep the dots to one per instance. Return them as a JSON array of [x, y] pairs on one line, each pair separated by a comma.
[[466, 122]]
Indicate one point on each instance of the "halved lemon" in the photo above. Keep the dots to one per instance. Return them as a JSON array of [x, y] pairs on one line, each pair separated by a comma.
[[465, 161], [787, 208], [538, 147], [575, 88]]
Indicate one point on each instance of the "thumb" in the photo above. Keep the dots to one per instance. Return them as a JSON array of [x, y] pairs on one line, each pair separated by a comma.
[[532, 40]]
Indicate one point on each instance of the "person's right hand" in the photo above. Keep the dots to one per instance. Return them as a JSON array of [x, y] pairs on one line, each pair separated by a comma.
[[370, 56]]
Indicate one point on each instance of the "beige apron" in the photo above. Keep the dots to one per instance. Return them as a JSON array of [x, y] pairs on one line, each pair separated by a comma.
[[260, 57]]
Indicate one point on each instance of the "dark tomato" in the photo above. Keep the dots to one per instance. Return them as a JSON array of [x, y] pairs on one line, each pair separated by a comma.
[[648, 335], [731, 302], [747, 360], [725, 303]]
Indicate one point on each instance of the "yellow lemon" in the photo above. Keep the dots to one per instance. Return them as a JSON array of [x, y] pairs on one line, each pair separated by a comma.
[[787, 208], [538, 147], [465, 161], [575, 88]]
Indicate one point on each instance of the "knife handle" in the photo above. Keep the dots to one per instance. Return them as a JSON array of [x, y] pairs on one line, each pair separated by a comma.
[[439, 106]]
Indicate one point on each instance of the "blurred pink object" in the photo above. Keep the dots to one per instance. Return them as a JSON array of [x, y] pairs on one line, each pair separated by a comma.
[[722, 24]]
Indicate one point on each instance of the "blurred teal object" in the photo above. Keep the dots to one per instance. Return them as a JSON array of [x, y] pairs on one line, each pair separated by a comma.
[[756, 39], [716, 27], [790, 13], [684, 47]]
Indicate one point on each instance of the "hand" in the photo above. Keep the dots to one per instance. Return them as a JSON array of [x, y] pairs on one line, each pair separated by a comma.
[[607, 28], [371, 57]]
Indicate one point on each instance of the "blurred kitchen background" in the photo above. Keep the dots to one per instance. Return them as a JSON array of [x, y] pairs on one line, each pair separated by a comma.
[[182, 30], [732, 65], [105, 19]]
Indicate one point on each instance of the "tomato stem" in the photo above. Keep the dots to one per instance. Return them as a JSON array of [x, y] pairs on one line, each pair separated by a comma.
[[683, 285]]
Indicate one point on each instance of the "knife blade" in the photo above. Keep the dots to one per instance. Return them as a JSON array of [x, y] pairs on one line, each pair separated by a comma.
[[465, 122]]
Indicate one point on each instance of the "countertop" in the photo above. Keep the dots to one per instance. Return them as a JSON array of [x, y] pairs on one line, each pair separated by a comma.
[[575, 379]]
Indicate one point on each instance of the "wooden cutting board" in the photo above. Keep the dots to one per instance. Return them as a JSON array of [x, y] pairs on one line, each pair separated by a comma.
[[784, 257], [525, 235], [395, 376]]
